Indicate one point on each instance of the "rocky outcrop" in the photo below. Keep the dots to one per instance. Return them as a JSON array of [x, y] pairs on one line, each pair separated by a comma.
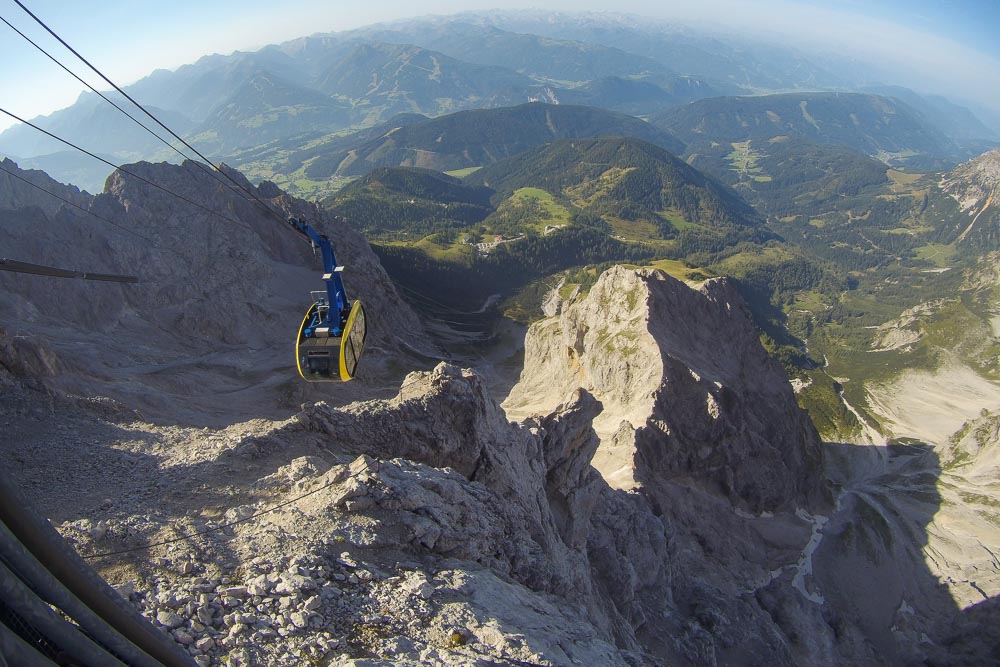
[[428, 529], [472, 547], [974, 186], [965, 529], [718, 433], [973, 182], [446, 419], [22, 358], [689, 393], [23, 188], [907, 329], [976, 447], [235, 258]]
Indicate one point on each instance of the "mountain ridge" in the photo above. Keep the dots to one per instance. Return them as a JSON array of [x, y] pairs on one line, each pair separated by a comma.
[[975, 186], [605, 61], [642, 364], [621, 171], [476, 137], [873, 125], [249, 117]]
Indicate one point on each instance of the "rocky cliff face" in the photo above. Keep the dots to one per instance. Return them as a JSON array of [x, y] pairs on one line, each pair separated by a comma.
[[974, 185], [663, 505], [973, 182], [699, 423], [20, 188], [427, 529], [689, 394], [966, 529], [223, 287]]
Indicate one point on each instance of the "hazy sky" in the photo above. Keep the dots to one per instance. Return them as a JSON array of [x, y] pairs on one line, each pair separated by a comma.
[[949, 46]]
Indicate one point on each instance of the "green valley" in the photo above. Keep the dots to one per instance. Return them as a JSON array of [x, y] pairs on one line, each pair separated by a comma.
[[565, 204], [656, 340], [835, 249]]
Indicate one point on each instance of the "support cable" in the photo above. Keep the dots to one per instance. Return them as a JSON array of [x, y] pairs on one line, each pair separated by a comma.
[[15, 266], [126, 171], [115, 105], [145, 111], [47, 587], [39, 537]]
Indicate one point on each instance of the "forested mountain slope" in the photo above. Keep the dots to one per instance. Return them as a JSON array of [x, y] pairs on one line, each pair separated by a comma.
[[624, 177], [474, 138], [879, 126]]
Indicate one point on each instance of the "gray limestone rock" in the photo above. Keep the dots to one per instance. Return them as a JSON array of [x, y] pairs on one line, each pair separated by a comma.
[[687, 389], [169, 619]]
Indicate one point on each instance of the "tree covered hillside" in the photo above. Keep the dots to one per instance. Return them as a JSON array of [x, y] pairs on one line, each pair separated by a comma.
[[880, 126], [624, 178], [411, 202], [480, 137]]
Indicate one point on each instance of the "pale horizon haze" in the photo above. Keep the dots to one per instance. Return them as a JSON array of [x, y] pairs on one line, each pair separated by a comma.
[[945, 47]]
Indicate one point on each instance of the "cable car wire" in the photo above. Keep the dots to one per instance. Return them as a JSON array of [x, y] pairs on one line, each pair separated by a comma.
[[126, 171], [145, 111], [114, 104]]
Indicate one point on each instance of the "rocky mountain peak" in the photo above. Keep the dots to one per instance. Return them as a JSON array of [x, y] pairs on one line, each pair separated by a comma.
[[446, 419], [689, 394], [974, 186], [975, 181], [20, 188]]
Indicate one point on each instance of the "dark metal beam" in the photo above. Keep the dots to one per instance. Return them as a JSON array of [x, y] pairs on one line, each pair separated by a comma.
[[41, 270], [39, 537], [46, 587], [46, 622]]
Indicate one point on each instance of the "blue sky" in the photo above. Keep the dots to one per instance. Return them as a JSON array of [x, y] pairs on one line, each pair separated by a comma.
[[946, 45], [973, 22]]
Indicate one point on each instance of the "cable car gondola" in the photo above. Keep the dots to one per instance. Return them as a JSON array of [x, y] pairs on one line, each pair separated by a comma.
[[331, 338]]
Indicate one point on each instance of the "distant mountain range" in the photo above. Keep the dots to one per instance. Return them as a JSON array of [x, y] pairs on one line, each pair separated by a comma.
[[274, 106], [634, 96], [474, 138], [72, 167], [94, 125], [265, 108], [729, 65], [529, 54], [566, 63], [880, 126], [952, 119], [323, 84], [350, 83]]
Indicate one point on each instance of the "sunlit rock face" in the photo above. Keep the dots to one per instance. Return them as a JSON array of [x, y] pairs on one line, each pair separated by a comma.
[[689, 393]]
